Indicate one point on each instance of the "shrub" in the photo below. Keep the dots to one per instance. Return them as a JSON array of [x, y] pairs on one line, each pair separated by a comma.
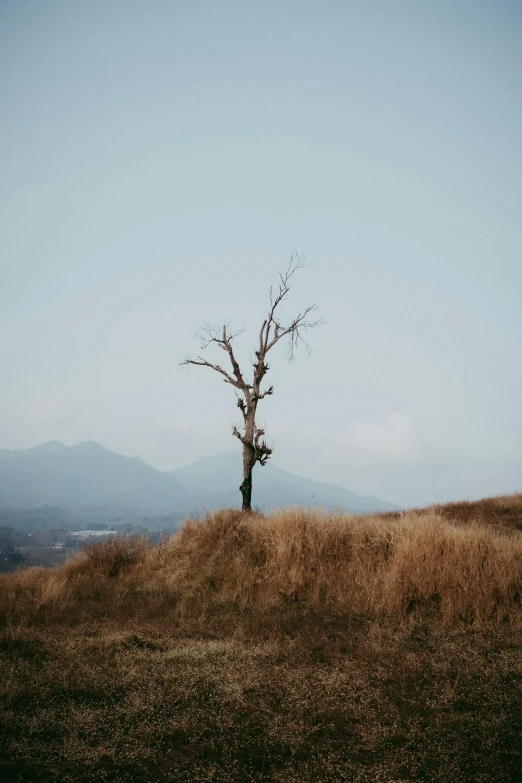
[[114, 554]]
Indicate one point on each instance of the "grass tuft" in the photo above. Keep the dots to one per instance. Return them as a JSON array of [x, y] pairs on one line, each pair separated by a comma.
[[111, 556]]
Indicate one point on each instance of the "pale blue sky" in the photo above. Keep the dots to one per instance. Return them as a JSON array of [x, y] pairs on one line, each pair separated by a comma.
[[159, 157]]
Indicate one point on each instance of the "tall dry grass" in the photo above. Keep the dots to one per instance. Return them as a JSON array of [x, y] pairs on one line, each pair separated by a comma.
[[504, 511], [250, 563]]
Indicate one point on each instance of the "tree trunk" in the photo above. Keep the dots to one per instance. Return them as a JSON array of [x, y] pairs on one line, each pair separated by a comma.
[[246, 491], [246, 487]]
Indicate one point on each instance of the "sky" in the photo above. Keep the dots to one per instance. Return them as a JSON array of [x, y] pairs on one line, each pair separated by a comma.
[[159, 160]]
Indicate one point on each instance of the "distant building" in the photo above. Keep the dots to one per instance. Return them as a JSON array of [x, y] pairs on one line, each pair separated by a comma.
[[83, 534]]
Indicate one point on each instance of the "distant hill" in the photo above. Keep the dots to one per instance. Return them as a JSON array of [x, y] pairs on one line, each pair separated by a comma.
[[215, 481], [87, 475], [90, 476]]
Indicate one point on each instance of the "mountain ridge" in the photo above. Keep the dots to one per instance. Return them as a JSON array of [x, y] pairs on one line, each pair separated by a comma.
[[89, 474], [223, 471]]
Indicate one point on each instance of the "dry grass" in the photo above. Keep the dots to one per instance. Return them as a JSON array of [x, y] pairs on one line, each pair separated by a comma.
[[504, 511], [299, 647], [332, 702], [345, 564], [376, 566]]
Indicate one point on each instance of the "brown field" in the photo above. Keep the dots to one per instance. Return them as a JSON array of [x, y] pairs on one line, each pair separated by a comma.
[[43, 556], [297, 647]]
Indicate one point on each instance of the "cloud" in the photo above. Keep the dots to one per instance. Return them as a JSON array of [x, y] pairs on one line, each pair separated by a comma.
[[391, 440]]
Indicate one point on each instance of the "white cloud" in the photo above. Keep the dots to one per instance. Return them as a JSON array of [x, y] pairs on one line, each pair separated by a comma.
[[393, 439]]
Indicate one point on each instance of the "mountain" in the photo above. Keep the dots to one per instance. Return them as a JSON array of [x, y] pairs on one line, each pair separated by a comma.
[[215, 481], [90, 476], [87, 475]]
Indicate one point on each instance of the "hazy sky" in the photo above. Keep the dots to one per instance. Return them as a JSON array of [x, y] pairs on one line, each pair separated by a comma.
[[158, 159]]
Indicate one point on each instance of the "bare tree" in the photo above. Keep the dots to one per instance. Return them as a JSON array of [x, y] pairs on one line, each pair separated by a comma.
[[255, 448]]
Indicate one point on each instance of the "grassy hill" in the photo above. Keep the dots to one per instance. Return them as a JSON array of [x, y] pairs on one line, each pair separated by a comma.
[[294, 647]]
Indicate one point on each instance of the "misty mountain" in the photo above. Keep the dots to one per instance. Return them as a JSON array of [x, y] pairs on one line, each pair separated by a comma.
[[91, 476], [87, 475], [215, 481]]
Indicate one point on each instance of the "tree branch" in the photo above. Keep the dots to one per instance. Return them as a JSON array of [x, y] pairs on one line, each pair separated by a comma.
[[238, 435], [266, 393], [299, 325], [225, 343], [241, 404], [262, 450], [208, 335], [202, 363]]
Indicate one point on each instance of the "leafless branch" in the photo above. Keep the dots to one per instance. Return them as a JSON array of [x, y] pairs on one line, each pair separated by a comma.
[[238, 435], [266, 393], [241, 404], [272, 329], [202, 363], [208, 335]]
